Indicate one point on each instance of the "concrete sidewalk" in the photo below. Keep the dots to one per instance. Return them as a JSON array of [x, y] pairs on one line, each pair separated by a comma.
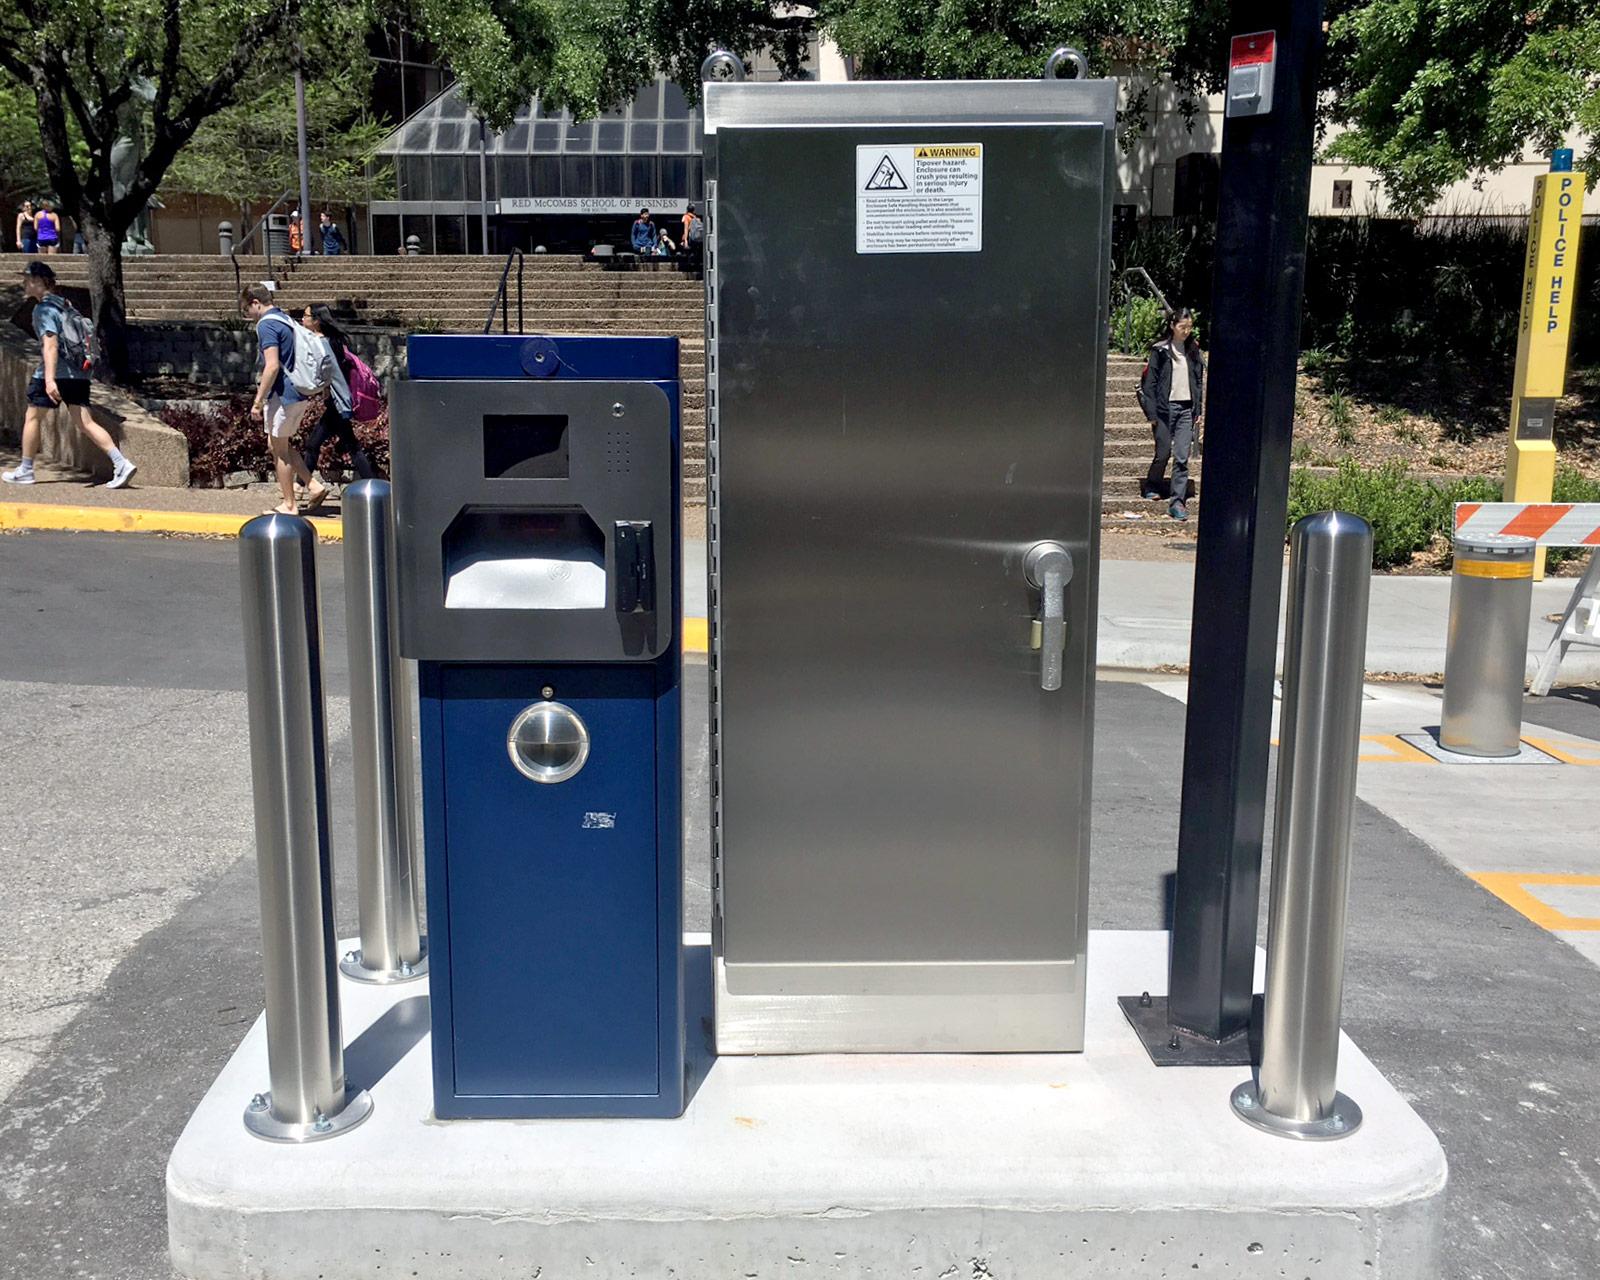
[[1146, 608]]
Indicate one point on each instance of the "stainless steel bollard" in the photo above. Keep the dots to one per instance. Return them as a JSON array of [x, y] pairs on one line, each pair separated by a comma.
[[1485, 660], [309, 1096], [1293, 1092], [392, 948]]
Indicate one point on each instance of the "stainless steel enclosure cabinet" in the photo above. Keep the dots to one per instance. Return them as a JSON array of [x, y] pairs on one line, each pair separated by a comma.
[[906, 293]]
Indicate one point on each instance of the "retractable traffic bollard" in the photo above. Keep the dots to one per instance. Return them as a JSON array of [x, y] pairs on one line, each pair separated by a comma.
[[1293, 1092], [392, 947], [1485, 660], [309, 1097]]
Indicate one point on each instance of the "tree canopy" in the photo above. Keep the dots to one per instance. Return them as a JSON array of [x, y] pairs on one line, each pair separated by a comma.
[[1426, 92], [1431, 92]]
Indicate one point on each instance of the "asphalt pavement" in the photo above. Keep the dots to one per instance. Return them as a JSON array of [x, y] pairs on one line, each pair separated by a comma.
[[131, 961]]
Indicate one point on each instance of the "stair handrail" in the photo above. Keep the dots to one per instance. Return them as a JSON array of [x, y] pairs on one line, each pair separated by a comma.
[[1123, 290], [499, 299], [238, 278]]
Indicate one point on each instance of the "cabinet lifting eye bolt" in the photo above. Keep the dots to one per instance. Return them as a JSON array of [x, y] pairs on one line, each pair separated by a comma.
[[1052, 66], [722, 67]]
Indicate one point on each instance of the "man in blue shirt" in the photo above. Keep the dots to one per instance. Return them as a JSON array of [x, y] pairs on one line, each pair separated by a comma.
[[278, 405], [61, 377], [643, 236]]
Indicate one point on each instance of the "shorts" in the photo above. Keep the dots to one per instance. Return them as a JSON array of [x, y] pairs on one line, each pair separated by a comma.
[[283, 417], [73, 391]]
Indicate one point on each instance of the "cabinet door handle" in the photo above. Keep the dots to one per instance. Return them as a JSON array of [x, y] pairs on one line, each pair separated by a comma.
[[1048, 568]]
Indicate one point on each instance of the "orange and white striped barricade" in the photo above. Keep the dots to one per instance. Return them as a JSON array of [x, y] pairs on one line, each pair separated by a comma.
[[1553, 524]]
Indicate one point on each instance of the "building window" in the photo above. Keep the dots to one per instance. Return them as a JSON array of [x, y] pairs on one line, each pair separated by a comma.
[[642, 177], [385, 233], [546, 176], [449, 181], [577, 176], [1342, 193], [513, 172], [609, 177]]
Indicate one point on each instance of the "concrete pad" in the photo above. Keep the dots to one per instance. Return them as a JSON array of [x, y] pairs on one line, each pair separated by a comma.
[[1094, 1164]]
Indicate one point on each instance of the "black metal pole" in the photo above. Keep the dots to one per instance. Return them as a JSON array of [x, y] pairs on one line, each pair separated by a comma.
[[1257, 294]]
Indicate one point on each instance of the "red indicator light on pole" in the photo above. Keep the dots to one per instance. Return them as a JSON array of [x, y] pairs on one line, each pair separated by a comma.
[[1250, 62]]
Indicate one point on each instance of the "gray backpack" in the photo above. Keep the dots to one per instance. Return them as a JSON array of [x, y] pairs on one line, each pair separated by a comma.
[[77, 339]]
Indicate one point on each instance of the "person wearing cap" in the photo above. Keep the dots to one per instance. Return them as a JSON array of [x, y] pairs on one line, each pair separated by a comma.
[[62, 378]]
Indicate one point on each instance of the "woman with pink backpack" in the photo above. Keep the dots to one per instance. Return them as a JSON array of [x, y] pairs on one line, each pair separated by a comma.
[[353, 395]]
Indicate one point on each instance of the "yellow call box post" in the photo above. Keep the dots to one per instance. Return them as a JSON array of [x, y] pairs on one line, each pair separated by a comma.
[[1549, 285]]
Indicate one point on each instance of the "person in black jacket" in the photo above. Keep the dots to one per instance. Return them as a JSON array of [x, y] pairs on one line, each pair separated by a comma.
[[1172, 395]]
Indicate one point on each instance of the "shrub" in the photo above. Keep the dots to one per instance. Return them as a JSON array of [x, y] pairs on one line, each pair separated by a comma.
[[1342, 419], [1136, 324], [226, 439], [1407, 513], [1386, 288], [221, 440]]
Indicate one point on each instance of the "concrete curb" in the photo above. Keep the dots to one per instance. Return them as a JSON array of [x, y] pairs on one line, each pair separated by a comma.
[[25, 515]]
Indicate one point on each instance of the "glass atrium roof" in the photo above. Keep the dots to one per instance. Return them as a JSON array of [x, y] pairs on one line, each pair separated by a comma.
[[659, 121]]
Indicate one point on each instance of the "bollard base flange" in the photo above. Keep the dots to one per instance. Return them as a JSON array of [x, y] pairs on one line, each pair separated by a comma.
[[1341, 1122], [260, 1121], [351, 966]]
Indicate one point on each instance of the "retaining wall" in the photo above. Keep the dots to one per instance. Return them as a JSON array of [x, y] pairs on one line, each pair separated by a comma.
[[214, 355]]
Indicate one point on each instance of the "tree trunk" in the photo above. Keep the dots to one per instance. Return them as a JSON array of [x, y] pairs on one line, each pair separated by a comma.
[[109, 300]]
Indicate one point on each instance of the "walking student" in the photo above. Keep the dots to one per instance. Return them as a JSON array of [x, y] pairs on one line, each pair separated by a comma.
[[61, 378], [693, 239], [27, 241], [1171, 393], [332, 237], [47, 227], [278, 403], [341, 408]]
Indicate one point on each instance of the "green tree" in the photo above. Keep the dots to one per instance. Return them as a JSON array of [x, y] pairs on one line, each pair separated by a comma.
[[1427, 92], [1432, 92], [246, 151], [1010, 39], [101, 72]]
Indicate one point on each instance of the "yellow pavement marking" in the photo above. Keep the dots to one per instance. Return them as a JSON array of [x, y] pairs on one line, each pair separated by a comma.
[[1509, 887], [695, 635], [1395, 750], [1567, 750], [29, 515]]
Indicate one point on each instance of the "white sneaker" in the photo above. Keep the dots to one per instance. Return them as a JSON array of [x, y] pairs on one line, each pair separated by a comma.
[[121, 475], [19, 476]]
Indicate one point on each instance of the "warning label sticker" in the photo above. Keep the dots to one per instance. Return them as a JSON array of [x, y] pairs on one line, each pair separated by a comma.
[[926, 198]]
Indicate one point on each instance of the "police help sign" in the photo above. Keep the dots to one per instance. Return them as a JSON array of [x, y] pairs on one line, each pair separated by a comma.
[[1549, 284], [923, 198]]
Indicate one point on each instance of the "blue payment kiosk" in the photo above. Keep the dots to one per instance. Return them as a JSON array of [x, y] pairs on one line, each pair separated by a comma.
[[538, 580]]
